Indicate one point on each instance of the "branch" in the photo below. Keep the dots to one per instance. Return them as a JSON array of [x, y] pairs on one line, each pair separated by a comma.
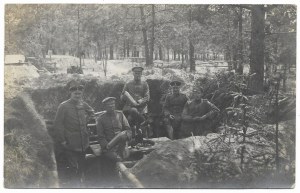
[[243, 6]]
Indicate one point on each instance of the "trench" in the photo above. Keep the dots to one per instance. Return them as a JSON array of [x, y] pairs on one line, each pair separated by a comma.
[[29, 147], [42, 108]]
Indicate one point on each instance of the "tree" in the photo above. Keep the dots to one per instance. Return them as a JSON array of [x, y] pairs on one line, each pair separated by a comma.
[[191, 46], [152, 34], [257, 47], [144, 31]]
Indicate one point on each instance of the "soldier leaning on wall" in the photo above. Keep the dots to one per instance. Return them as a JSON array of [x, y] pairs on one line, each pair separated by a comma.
[[71, 134]]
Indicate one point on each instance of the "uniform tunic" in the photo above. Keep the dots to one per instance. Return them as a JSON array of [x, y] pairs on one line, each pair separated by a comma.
[[109, 125], [197, 109], [70, 124], [137, 91], [174, 104]]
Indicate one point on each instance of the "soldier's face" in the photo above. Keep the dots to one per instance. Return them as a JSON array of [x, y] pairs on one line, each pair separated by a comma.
[[76, 93], [137, 74], [199, 96], [110, 106], [175, 89]]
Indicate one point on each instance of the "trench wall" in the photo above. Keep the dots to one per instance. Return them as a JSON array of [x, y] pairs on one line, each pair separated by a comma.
[[29, 160]]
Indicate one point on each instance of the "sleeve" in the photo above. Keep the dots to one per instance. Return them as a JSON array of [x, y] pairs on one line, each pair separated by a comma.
[[90, 111], [101, 136], [213, 110], [125, 88], [186, 98], [185, 113], [166, 106], [146, 97], [59, 127]]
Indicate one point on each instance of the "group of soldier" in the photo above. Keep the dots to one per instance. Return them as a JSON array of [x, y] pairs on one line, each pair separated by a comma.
[[116, 129]]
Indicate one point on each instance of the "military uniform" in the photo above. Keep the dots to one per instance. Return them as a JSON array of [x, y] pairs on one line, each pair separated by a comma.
[[137, 114], [174, 105], [138, 91], [197, 109], [108, 126], [70, 128]]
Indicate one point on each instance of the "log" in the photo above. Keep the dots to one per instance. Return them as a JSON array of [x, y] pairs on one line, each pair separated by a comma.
[[131, 177]]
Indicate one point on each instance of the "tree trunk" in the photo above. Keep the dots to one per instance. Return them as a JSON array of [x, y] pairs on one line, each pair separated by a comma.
[[257, 47], [111, 52], [124, 49], [152, 35], [191, 46], [128, 49], [182, 55], [239, 69], [168, 54], [228, 55], [144, 30], [161, 56]]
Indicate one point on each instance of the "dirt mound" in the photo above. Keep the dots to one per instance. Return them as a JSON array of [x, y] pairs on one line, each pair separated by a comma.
[[214, 161], [28, 150], [17, 78], [178, 163]]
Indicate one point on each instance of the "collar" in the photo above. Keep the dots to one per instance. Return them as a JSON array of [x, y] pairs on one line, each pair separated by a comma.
[[75, 102], [111, 114]]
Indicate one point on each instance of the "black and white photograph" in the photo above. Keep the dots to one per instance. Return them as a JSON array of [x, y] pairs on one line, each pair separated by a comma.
[[149, 96]]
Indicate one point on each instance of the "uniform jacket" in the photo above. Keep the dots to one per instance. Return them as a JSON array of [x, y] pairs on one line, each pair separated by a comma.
[[71, 124], [195, 109], [109, 125], [174, 104], [137, 91]]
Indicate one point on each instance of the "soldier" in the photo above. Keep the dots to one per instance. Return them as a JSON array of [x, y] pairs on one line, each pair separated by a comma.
[[198, 116], [136, 95], [172, 110], [71, 132], [113, 134]]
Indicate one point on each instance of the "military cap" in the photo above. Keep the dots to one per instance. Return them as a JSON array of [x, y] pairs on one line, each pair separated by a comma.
[[75, 84], [107, 99], [135, 68], [175, 83]]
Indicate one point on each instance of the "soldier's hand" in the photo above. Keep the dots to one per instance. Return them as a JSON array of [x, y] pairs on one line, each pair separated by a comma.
[[171, 116], [140, 101]]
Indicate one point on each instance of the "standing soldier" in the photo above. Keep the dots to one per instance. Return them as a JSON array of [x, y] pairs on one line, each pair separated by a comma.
[[198, 116], [172, 110], [136, 95], [113, 135], [71, 132]]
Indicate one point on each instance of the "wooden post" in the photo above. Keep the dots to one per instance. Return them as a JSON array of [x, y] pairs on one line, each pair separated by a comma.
[[131, 177]]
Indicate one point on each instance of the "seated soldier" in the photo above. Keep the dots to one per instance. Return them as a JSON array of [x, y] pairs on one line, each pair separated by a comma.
[[113, 134], [198, 116], [172, 110]]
